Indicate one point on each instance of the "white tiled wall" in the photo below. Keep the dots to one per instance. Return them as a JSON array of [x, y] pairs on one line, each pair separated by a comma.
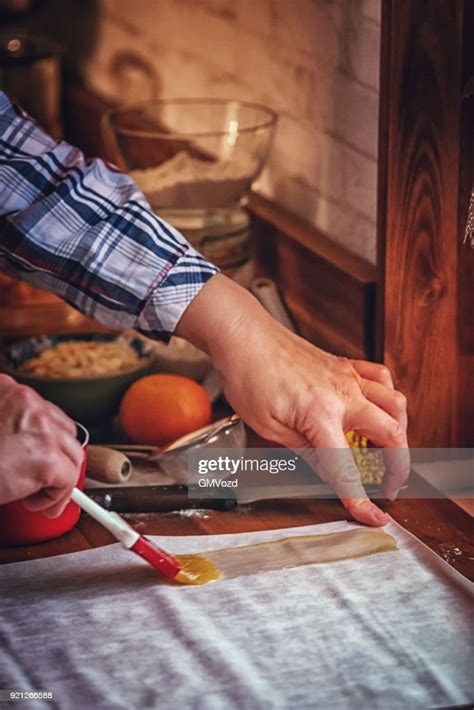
[[315, 61]]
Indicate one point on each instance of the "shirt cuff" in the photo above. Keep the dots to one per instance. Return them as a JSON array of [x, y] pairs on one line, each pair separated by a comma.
[[168, 300]]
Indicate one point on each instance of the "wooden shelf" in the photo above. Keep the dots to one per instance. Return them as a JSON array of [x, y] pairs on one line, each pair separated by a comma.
[[329, 291]]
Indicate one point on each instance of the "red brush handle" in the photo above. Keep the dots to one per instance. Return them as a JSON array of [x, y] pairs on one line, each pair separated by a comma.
[[159, 559]]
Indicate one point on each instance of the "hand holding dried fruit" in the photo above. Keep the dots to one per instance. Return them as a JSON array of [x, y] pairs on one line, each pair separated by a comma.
[[294, 393]]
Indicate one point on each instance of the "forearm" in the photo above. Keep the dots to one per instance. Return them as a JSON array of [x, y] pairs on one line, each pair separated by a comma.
[[219, 315]]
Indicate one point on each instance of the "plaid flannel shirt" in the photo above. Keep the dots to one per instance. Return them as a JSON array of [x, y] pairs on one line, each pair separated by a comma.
[[82, 229]]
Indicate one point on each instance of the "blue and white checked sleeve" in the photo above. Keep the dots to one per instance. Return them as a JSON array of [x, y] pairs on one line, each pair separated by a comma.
[[83, 230]]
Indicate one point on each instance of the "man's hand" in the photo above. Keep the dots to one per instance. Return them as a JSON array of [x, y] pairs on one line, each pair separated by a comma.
[[293, 393], [40, 457]]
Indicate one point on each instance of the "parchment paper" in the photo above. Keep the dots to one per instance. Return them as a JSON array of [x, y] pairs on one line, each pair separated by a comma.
[[392, 630]]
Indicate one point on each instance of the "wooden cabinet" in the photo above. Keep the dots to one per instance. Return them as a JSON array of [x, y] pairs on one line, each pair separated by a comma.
[[426, 276]]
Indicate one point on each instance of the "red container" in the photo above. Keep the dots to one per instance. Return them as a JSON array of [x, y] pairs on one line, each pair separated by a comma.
[[19, 526]]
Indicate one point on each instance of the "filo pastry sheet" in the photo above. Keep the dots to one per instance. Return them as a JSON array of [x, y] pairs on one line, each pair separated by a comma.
[[98, 629]]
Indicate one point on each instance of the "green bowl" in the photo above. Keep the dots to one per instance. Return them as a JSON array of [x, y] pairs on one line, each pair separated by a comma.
[[89, 400]]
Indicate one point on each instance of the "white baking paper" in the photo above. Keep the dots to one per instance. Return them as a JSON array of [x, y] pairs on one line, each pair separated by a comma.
[[390, 631]]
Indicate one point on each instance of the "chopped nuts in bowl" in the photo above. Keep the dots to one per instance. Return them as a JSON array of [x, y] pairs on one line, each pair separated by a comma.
[[84, 374], [73, 358]]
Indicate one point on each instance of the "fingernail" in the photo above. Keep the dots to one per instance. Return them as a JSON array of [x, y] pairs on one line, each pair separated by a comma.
[[380, 516], [361, 503], [367, 507]]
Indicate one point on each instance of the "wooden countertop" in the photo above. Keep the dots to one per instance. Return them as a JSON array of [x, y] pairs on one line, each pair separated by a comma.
[[438, 522]]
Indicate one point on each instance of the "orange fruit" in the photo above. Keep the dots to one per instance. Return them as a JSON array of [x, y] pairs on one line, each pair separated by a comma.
[[160, 408]]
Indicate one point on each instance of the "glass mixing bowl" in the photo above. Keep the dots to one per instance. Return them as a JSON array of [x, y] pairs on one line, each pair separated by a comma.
[[195, 160], [191, 153]]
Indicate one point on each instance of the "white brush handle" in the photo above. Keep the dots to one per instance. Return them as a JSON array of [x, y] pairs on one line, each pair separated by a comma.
[[113, 522]]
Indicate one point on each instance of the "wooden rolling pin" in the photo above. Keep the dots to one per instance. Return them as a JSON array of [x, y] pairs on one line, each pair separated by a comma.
[[107, 465]]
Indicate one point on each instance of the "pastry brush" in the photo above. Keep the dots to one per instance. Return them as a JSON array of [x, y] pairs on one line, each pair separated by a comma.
[[130, 538]]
